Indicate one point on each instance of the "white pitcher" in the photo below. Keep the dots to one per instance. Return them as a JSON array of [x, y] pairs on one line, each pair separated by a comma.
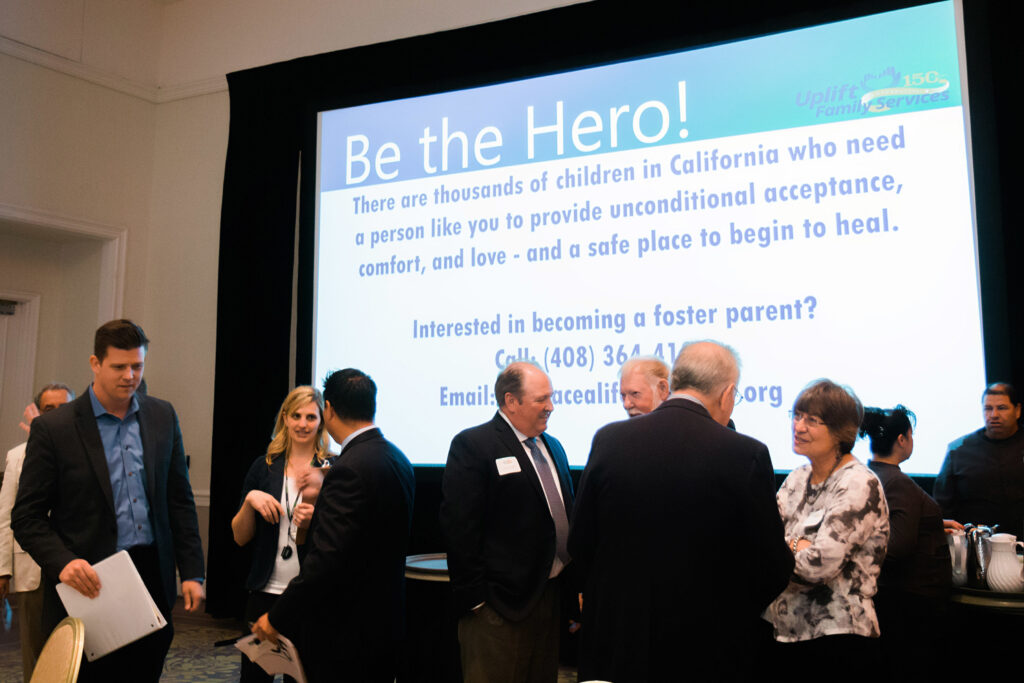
[[1005, 568], [957, 541]]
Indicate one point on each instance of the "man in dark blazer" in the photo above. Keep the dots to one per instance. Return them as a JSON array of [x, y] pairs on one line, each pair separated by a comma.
[[504, 514], [677, 536], [345, 611], [105, 473]]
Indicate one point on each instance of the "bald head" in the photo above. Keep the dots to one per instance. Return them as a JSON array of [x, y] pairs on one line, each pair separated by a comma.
[[643, 384], [708, 371]]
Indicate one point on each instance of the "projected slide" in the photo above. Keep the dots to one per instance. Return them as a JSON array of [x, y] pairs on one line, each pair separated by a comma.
[[803, 197]]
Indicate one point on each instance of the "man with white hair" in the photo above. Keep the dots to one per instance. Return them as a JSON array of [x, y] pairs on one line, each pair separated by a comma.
[[643, 384], [677, 536]]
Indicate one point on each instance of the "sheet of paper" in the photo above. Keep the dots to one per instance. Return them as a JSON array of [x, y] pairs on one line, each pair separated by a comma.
[[123, 613], [282, 658]]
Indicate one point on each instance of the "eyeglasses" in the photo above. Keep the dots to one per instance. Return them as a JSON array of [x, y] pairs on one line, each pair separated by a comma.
[[809, 420]]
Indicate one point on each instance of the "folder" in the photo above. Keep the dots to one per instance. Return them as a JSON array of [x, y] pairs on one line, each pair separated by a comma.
[[123, 612]]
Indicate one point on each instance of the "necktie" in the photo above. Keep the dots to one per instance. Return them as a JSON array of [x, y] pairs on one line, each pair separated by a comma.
[[555, 504]]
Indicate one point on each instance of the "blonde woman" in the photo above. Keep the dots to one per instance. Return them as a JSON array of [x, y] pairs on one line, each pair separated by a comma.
[[272, 510]]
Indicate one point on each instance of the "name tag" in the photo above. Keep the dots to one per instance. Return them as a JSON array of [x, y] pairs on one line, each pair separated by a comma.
[[507, 465], [814, 519]]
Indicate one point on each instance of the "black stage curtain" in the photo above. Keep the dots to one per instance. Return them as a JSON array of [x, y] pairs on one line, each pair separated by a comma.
[[273, 127], [254, 302]]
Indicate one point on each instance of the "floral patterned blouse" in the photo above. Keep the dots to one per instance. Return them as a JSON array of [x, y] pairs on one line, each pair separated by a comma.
[[846, 519]]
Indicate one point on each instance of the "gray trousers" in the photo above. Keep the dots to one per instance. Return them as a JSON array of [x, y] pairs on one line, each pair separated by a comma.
[[495, 650]]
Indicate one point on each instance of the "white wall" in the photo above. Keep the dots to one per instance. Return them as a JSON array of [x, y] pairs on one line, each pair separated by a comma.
[[114, 122], [33, 264], [63, 272], [204, 38], [181, 265]]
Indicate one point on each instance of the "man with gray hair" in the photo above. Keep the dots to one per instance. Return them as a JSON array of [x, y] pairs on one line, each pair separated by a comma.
[[18, 573], [677, 536], [643, 384]]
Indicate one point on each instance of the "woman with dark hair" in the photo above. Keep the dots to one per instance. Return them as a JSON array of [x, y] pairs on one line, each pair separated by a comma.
[[837, 525], [916, 575], [272, 509]]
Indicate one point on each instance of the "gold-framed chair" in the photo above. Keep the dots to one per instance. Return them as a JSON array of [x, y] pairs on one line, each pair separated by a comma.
[[62, 654]]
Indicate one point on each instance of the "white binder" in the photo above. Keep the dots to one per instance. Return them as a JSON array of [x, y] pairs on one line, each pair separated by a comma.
[[123, 612]]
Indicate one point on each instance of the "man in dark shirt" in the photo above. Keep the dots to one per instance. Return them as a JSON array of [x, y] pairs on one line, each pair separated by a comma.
[[982, 478]]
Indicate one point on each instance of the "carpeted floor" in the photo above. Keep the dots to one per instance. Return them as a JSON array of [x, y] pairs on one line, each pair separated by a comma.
[[192, 658]]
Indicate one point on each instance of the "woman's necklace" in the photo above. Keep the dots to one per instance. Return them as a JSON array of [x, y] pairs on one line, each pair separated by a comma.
[[286, 551], [812, 494]]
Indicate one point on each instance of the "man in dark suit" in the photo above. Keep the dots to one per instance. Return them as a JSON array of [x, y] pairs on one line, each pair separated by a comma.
[[105, 473], [676, 535], [345, 611], [504, 515]]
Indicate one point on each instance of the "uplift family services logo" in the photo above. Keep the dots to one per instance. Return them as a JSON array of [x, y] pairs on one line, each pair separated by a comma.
[[879, 92], [902, 90]]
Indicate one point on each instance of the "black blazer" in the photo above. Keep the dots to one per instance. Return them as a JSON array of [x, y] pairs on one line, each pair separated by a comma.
[[270, 480], [346, 608], [679, 544], [65, 505], [498, 528]]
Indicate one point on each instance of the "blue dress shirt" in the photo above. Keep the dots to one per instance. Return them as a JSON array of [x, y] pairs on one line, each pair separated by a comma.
[[122, 443]]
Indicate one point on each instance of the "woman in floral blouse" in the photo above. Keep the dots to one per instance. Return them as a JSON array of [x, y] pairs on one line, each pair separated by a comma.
[[837, 525]]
